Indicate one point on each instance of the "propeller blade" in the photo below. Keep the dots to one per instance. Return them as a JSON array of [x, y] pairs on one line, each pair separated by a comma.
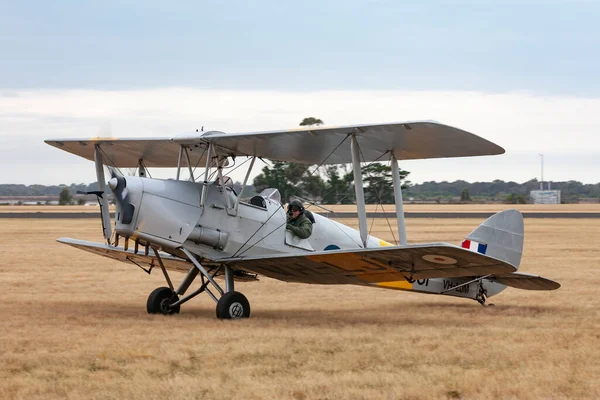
[[118, 185]]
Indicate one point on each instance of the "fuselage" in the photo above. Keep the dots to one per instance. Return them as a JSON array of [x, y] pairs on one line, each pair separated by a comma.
[[173, 214]]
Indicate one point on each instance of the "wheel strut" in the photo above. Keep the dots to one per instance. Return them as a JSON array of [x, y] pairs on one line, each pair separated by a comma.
[[481, 293]]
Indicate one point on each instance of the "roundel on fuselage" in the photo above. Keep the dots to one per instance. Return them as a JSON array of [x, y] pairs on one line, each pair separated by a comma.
[[331, 247]]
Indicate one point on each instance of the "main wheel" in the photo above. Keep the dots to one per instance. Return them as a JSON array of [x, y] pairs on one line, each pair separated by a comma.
[[159, 301], [233, 305]]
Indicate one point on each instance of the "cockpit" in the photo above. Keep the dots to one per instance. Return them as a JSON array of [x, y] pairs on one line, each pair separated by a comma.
[[269, 194]]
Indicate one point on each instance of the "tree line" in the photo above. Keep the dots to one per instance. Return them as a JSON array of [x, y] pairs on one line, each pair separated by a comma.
[[335, 185], [330, 184]]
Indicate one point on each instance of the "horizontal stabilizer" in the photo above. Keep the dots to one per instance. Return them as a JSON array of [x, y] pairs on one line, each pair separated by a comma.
[[520, 280]]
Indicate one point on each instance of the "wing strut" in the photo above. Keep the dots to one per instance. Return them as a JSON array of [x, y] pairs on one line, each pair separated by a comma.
[[189, 163], [398, 199], [104, 213], [237, 202], [206, 171], [360, 194], [179, 162]]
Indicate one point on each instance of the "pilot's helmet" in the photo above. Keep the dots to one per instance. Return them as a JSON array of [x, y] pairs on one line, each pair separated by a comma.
[[295, 205]]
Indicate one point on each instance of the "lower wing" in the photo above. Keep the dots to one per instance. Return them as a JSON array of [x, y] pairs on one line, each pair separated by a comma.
[[145, 261], [366, 266], [129, 256]]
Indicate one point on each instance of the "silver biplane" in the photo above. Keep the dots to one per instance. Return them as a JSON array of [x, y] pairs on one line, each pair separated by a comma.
[[201, 227]]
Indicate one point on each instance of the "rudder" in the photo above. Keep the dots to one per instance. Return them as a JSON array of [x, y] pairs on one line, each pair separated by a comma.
[[500, 236]]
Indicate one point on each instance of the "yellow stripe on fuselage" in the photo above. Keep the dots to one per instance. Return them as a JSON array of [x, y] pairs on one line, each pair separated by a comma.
[[397, 285]]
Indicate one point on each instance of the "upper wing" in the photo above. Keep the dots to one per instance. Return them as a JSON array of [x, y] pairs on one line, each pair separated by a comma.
[[364, 266], [521, 280], [126, 153], [407, 140]]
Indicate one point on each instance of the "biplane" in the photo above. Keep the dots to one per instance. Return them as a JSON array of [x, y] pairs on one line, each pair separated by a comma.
[[198, 225]]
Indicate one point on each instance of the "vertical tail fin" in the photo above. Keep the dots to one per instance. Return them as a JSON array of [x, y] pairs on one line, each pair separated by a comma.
[[500, 236]]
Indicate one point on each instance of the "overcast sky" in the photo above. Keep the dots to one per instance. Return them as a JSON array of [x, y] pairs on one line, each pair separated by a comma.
[[523, 74]]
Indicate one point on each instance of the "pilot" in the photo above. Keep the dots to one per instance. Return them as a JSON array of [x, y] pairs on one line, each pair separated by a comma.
[[297, 222]]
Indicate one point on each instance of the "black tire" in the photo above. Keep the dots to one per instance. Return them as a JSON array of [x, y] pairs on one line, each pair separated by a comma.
[[233, 305], [159, 300]]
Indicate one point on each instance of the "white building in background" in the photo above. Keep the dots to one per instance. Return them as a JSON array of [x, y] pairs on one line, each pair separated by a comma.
[[545, 196]]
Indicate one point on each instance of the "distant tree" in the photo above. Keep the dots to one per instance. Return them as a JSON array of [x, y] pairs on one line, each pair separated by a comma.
[[379, 185], [515, 199], [81, 201], [65, 197], [338, 189], [274, 177], [310, 121], [465, 195]]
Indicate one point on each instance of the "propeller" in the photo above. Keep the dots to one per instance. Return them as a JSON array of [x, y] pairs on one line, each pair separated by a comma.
[[118, 185]]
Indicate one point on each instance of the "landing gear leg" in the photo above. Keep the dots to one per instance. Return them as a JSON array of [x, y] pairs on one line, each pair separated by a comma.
[[231, 304], [162, 300]]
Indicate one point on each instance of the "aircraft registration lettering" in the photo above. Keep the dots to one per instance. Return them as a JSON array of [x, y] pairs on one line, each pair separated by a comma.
[[448, 285]]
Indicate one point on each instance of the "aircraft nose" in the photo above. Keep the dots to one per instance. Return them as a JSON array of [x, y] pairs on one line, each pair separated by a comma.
[[113, 183]]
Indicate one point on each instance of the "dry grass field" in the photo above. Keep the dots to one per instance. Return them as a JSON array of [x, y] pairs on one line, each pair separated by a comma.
[[74, 325]]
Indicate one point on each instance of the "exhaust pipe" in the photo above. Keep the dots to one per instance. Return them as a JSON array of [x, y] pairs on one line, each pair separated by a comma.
[[210, 237]]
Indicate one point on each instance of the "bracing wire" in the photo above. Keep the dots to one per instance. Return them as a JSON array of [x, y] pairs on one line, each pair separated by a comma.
[[321, 164], [263, 224], [238, 253], [350, 186], [238, 166], [198, 162], [104, 155], [379, 198], [255, 232]]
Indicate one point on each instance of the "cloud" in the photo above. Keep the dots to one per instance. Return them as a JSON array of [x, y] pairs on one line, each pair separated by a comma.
[[525, 124], [8, 93]]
